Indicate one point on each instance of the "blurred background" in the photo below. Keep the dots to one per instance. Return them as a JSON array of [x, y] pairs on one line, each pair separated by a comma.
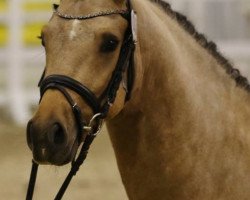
[[227, 22]]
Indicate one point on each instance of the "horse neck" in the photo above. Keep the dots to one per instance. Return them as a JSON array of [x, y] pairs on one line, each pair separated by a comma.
[[184, 93], [180, 76]]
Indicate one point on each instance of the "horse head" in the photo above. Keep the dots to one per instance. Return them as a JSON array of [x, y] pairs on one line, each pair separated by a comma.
[[83, 42]]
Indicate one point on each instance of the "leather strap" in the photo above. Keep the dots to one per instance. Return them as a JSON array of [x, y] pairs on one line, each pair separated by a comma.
[[32, 181], [75, 108], [65, 81]]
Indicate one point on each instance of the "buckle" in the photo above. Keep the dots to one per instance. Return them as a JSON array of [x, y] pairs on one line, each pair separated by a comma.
[[90, 127]]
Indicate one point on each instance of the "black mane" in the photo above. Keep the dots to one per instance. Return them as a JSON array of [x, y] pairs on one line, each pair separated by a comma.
[[208, 45]]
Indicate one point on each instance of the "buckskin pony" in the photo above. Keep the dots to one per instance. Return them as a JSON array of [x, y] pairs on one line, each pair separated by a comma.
[[183, 133]]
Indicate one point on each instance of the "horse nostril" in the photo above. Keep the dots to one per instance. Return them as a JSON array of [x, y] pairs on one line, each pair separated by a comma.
[[56, 134]]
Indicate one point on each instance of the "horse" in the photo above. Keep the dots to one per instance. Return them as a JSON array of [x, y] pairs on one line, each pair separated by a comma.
[[184, 131]]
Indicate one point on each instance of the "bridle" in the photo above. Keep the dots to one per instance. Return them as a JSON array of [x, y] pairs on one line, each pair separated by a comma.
[[99, 105]]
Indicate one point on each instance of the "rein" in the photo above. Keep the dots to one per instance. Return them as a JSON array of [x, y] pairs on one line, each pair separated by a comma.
[[99, 105]]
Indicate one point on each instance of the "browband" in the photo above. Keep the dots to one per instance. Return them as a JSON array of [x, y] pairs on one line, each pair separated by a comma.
[[123, 13]]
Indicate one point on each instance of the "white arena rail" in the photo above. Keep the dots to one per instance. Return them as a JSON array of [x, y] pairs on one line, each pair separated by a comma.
[[16, 95], [213, 17], [14, 59]]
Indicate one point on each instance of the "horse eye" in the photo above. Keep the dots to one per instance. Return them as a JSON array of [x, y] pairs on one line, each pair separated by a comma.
[[42, 40], [109, 44]]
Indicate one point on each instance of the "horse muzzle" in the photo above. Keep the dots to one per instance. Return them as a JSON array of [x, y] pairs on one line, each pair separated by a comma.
[[50, 142]]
